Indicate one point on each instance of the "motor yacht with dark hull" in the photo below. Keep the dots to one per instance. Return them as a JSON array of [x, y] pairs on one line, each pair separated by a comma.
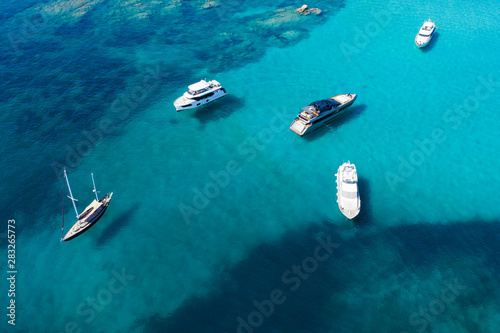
[[90, 215], [321, 112], [199, 94]]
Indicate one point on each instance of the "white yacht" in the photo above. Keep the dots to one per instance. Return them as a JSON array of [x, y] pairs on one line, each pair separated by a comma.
[[425, 34], [321, 112], [200, 93], [347, 190]]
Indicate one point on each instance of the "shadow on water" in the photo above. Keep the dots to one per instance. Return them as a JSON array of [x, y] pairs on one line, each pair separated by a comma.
[[360, 271], [221, 108], [432, 43], [252, 281], [472, 238], [174, 121], [353, 113], [115, 225], [365, 216]]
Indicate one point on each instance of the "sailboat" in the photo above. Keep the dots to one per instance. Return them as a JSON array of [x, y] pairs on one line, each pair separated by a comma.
[[90, 215]]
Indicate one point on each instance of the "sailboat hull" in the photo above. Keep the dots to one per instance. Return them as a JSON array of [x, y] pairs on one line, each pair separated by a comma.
[[88, 219]]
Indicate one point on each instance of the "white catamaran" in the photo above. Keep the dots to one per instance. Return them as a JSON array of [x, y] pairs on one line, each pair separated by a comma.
[[90, 215]]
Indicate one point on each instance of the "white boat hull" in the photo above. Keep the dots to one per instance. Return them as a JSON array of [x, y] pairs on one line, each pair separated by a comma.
[[425, 43], [424, 36], [302, 128], [183, 103], [349, 206], [321, 123]]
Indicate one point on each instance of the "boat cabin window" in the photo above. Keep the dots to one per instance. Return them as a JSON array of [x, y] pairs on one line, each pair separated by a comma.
[[197, 92], [197, 98]]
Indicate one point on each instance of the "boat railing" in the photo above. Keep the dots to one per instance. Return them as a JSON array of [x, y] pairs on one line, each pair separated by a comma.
[[304, 117]]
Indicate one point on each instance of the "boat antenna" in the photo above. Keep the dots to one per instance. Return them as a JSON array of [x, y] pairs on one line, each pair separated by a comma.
[[71, 194], [62, 228], [95, 191]]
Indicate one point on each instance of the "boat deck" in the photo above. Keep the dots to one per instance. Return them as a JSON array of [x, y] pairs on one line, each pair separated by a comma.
[[342, 98]]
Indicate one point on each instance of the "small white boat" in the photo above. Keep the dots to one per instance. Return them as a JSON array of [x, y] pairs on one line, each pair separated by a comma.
[[425, 34], [347, 190], [90, 215], [321, 112], [200, 93]]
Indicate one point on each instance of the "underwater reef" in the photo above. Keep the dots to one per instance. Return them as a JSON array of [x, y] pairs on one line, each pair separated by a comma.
[[76, 60]]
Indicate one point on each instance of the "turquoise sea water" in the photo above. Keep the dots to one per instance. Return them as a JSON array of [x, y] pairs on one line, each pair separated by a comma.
[[90, 84]]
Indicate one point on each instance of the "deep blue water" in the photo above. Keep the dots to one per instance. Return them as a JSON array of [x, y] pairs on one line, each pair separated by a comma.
[[89, 85]]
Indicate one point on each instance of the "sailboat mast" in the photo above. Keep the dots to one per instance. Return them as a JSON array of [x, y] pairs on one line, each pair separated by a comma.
[[62, 228], [71, 194], [95, 191]]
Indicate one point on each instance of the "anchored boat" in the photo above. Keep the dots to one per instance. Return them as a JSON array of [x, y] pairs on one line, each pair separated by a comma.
[[200, 93], [425, 34], [321, 112], [90, 215], [347, 190]]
